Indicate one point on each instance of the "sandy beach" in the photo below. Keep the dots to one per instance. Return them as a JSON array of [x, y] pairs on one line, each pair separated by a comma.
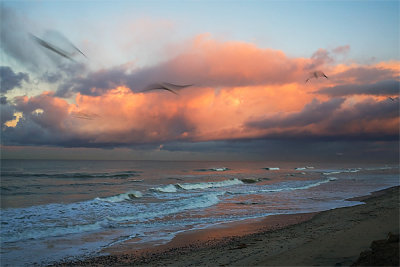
[[330, 238]]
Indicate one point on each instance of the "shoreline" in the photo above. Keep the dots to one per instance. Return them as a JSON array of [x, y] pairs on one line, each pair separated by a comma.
[[332, 237]]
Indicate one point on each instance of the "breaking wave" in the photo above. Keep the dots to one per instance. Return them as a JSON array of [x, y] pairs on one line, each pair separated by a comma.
[[122, 197], [173, 188], [301, 187]]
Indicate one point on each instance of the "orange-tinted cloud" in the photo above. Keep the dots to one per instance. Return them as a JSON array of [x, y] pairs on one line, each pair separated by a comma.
[[240, 91], [206, 62]]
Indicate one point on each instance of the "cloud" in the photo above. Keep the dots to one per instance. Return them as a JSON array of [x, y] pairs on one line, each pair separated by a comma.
[[341, 49], [206, 62], [365, 74], [335, 119], [3, 100], [315, 150], [323, 57], [241, 92], [313, 112], [197, 116], [18, 45], [10, 80], [15, 41], [320, 58], [51, 77], [6, 114], [383, 88]]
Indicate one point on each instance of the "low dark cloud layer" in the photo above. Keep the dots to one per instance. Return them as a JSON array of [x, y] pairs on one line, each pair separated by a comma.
[[314, 112], [365, 75], [309, 150], [333, 120], [388, 87]]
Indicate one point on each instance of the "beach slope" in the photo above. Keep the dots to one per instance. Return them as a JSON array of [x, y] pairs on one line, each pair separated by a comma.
[[330, 238]]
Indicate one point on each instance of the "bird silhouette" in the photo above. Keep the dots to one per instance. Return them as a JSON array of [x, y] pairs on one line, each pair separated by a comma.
[[165, 86], [316, 74], [56, 49], [84, 115]]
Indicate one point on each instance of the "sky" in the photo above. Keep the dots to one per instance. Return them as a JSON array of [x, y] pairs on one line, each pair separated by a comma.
[[247, 63]]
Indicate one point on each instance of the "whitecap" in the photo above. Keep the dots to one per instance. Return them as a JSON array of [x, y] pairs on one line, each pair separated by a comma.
[[165, 189], [194, 186], [330, 179], [219, 169], [122, 197]]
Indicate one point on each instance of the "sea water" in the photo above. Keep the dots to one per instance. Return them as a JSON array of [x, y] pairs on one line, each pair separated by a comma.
[[63, 210]]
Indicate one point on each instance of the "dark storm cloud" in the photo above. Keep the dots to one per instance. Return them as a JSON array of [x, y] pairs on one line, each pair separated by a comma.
[[47, 128], [331, 120], [55, 126], [388, 87], [10, 80], [3, 100], [365, 75], [51, 77], [95, 83], [6, 113], [363, 112], [313, 112]]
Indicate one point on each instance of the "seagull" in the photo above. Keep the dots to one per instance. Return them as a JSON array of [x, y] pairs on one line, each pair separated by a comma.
[[165, 86], [316, 75], [393, 99], [56, 49], [84, 115]]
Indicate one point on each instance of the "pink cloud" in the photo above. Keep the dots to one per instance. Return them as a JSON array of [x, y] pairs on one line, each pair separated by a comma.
[[240, 91]]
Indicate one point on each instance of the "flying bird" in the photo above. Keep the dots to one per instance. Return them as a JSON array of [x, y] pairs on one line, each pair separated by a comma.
[[165, 86], [56, 49], [393, 99], [316, 75], [84, 115]]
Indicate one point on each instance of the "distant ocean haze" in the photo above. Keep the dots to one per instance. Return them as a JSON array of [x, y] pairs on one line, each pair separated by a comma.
[[53, 210]]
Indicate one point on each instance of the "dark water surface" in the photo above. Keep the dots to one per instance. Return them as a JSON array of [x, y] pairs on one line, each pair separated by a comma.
[[54, 210]]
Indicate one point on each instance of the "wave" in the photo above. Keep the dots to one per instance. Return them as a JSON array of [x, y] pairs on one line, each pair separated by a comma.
[[172, 207], [120, 174], [27, 233], [342, 171], [165, 189], [219, 169], [302, 187], [194, 186], [122, 197], [63, 219], [173, 188]]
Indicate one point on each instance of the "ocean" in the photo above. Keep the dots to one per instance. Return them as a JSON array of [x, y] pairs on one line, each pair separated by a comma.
[[55, 210]]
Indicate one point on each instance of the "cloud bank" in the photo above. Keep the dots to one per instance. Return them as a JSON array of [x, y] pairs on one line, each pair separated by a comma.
[[241, 92]]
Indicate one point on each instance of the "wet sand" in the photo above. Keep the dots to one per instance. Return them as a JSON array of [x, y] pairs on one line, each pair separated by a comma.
[[330, 238]]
